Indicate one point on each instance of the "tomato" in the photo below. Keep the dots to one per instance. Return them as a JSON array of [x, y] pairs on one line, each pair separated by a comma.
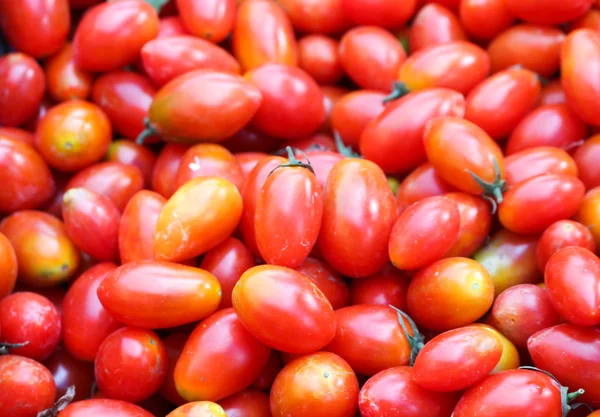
[[250, 140], [18, 135], [331, 94], [173, 343], [207, 159], [514, 392], [318, 56], [510, 259], [212, 20], [171, 26], [539, 160], [552, 93], [357, 201], [384, 13], [315, 143], [317, 16], [387, 287], [179, 114], [8, 267], [37, 28], [510, 355], [485, 19], [198, 409], [68, 371], [457, 359], [209, 371], [26, 386], [132, 292], [456, 65], [576, 366], [322, 162], [165, 169], [269, 301], [590, 20], [103, 408], [393, 393], [580, 55], [130, 153], [27, 180], [332, 285], [319, 385], [353, 112], [586, 157], [65, 80], [561, 234], [536, 48], [263, 34], [371, 57], [125, 97], [166, 58], [23, 84], [99, 46], [434, 25], [589, 212], [524, 209], [548, 12], [572, 276], [45, 254], [46, 104], [248, 160], [475, 224], [247, 403], [421, 183]]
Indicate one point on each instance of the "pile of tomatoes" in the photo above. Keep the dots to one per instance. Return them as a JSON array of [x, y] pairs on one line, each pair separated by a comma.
[[301, 208]]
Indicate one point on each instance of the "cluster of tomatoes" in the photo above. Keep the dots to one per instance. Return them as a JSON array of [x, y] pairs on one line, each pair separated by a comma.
[[301, 208]]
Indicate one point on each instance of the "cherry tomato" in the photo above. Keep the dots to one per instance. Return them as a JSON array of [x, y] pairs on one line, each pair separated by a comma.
[[102, 47], [548, 12], [552, 93], [383, 13], [357, 201], [284, 309], [263, 34], [322, 162], [8, 267], [317, 16], [387, 287], [132, 292], [586, 157], [434, 25], [46, 104], [331, 94], [247, 403], [68, 371], [165, 169], [421, 183], [18, 135], [560, 235], [318, 56], [315, 143], [510, 355], [45, 254], [485, 19], [171, 26], [137, 226], [332, 285], [475, 224], [457, 359], [103, 408], [589, 212], [319, 385], [536, 48], [269, 372], [371, 57], [212, 20], [22, 84], [353, 112], [37, 28], [130, 153], [65, 80], [125, 97], [198, 409], [456, 65], [248, 160], [207, 159], [531, 162], [166, 58]]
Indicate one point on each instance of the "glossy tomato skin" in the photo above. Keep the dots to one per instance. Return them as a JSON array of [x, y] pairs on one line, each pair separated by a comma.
[[28, 182], [547, 349], [552, 93], [26, 387], [208, 159], [467, 355], [100, 408], [8, 267], [475, 224], [165, 168], [37, 28], [456, 65], [434, 25], [322, 162], [357, 200], [383, 13], [536, 48], [421, 183], [171, 26], [198, 408], [321, 384], [317, 16], [371, 57], [331, 94], [16, 134], [484, 20], [125, 97], [68, 371], [273, 316], [23, 84], [572, 277], [393, 393], [102, 47], [131, 293], [179, 114], [65, 80], [263, 34], [510, 355], [589, 213], [209, 371], [166, 58], [45, 254], [212, 20], [370, 338], [561, 234], [539, 160], [524, 209], [353, 112], [550, 12], [387, 287], [248, 160], [500, 102], [247, 403], [130, 153], [318, 56], [331, 283], [586, 157]]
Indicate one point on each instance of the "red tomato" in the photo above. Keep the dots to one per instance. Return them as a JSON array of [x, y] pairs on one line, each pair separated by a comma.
[[315, 143], [207, 159], [37, 28], [132, 292], [8, 267], [384, 13], [572, 276], [125, 97], [322, 162], [103, 408], [456, 65], [434, 25], [536, 48], [101, 44], [317, 16], [166, 58], [552, 93], [548, 12], [457, 359], [421, 183], [387, 287], [284, 309], [475, 224], [485, 19], [22, 84], [318, 56], [531, 162], [130, 153], [248, 160], [16, 134], [198, 409], [393, 393], [68, 371], [589, 213], [171, 26], [263, 34], [560, 235], [331, 95], [587, 157], [371, 57], [209, 371], [65, 80], [327, 280], [166, 167], [357, 201], [247, 403], [210, 19], [269, 372], [319, 385], [525, 206], [352, 113]]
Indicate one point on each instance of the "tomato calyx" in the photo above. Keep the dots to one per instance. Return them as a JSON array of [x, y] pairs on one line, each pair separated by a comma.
[[344, 149], [149, 130], [60, 404], [416, 341], [492, 191], [399, 89], [5, 347], [157, 4], [293, 162], [566, 397]]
